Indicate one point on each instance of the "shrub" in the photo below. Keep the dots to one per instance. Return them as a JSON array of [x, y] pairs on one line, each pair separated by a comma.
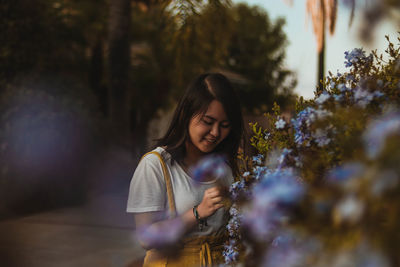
[[324, 189]]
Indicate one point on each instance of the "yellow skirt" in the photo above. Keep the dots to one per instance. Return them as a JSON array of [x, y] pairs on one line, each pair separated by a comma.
[[199, 251]]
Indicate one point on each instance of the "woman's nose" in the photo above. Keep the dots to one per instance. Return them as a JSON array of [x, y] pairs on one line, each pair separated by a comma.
[[215, 130]]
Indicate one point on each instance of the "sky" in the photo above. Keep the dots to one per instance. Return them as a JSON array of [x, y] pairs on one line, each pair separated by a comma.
[[301, 53]]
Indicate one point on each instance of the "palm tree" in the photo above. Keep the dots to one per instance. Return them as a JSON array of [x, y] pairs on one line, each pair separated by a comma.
[[323, 15]]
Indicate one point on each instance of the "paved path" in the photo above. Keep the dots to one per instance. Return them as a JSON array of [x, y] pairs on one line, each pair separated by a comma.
[[99, 233]]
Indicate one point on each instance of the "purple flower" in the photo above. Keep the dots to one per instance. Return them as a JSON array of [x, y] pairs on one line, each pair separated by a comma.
[[342, 88], [271, 199], [362, 97], [288, 249], [346, 172], [377, 132], [357, 56], [258, 159], [322, 98], [302, 123], [236, 188], [350, 77], [321, 137], [283, 158], [213, 166], [162, 234], [230, 252], [259, 171], [338, 98]]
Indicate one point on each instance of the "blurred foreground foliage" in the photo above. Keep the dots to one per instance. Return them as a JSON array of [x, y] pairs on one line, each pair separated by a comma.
[[324, 188], [50, 131]]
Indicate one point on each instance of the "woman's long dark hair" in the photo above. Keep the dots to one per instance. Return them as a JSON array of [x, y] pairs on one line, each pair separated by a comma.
[[196, 99]]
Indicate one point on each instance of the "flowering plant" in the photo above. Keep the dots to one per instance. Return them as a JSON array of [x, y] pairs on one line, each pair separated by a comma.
[[324, 189]]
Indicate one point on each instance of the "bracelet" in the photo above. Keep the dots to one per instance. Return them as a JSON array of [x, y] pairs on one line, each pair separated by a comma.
[[201, 222]]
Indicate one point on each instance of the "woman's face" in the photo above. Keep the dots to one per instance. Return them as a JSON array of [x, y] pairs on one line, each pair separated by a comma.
[[207, 130]]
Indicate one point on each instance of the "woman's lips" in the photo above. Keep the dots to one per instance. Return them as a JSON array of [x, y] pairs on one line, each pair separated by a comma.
[[210, 141]]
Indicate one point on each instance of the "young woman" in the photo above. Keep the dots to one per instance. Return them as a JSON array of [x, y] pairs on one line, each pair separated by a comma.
[[207, 121]]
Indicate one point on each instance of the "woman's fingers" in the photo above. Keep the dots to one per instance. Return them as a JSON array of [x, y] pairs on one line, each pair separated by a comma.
[[216, 200], [213, 192], [218, 206]]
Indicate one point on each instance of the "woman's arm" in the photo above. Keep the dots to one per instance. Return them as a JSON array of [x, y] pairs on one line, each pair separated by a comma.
[[150, 224]]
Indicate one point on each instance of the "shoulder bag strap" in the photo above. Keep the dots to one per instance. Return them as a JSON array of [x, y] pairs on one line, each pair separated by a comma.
[[170, 193]]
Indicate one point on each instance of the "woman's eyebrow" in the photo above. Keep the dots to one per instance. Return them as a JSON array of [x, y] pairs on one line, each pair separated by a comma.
[[214, 119], [209, 117]]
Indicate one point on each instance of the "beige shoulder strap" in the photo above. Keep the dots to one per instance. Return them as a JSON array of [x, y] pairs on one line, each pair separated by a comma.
[[170, 193]]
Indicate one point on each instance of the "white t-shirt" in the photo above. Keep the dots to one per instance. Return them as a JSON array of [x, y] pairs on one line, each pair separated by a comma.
[[148, 192]]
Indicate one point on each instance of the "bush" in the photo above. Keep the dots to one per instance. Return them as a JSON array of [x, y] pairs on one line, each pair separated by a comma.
[[324, 189]]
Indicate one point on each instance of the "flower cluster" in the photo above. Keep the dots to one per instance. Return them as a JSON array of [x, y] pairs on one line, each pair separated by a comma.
[[271, 200], [357, 57], [210, 166], [324, 188], [302, 126]]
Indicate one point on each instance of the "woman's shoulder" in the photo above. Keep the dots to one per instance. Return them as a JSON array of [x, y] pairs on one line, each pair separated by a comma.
[[153, 155]]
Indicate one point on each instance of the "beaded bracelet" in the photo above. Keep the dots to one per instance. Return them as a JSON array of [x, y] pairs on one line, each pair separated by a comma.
[[201, 222]]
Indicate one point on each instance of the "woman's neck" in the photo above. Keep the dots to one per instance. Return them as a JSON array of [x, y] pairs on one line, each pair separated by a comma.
[[193, 155]]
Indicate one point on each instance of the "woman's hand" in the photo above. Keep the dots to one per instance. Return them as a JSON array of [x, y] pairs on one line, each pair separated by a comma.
[[212, 201]]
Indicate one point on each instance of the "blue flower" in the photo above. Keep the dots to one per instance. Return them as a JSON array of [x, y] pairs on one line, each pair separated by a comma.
[[345, 172], [298, 162], [283, 158], [321, 137], [271, 198], [357, 56], [280, 124], [236, 188], [164, 234], [378, 94], [258, 159], [362, 97], [350, 77], [342, 88], [338, 98], [259, 171], [289, 249], [322, 98], [213, 166], [303, 121], [377, 132], [230, 252]]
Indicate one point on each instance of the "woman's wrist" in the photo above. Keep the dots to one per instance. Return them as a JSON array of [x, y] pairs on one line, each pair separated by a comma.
[[202, 222]]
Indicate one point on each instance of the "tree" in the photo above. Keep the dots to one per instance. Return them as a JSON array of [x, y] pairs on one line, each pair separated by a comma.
[[173, 45], [257, 52], [323, 15], [119, 66], [242, 42]]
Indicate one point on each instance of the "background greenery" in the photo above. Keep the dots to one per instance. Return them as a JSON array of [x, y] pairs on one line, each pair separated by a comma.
[[77, 77]]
